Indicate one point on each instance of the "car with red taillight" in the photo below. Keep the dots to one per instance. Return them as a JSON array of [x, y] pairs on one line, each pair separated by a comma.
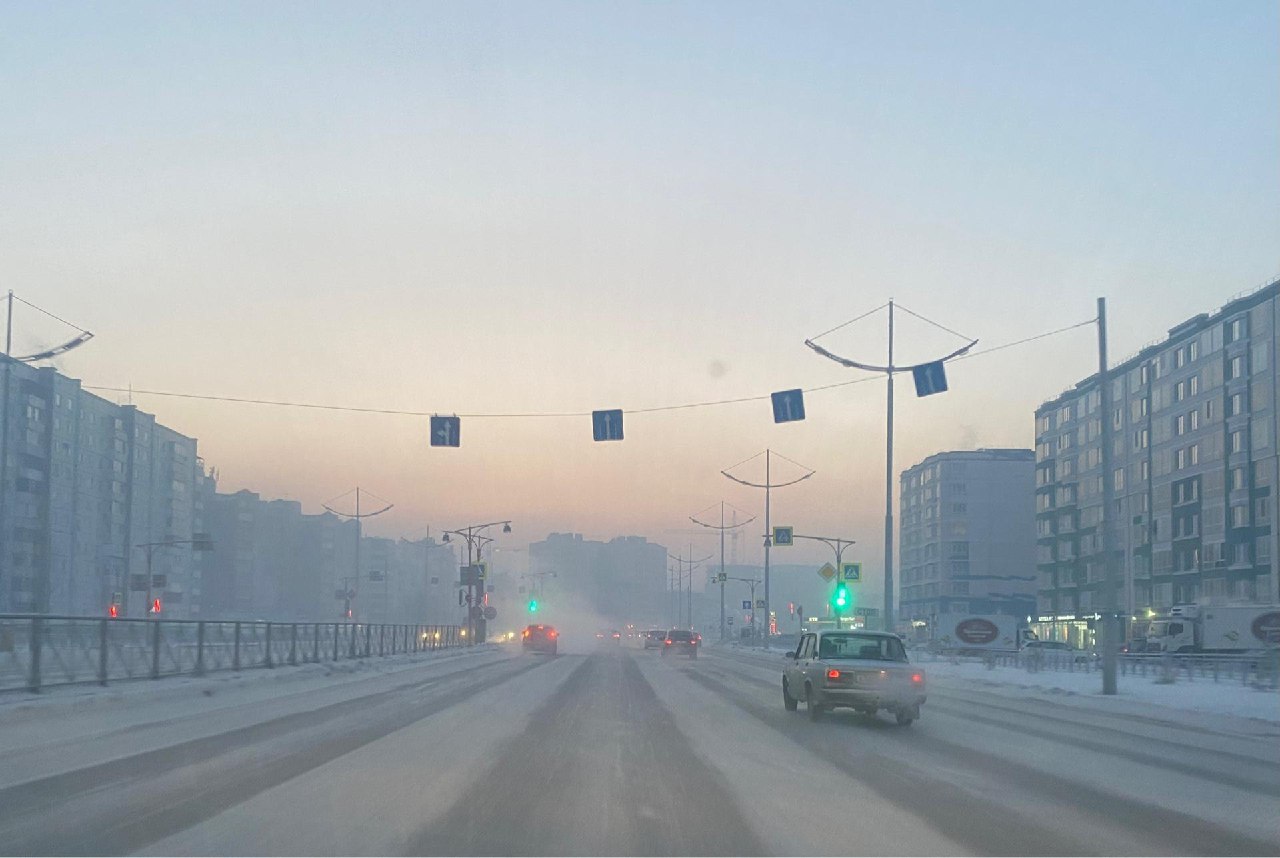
[[683, 642], [538, 637], [861, 670]]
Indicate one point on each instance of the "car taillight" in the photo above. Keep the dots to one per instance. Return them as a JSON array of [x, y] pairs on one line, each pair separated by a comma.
[[525, 633], [833, 674], [551, 634], [667, 642], [917, 677]]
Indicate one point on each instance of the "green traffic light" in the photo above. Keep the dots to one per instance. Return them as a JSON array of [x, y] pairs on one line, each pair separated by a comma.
[[533, 606], [841, 599]]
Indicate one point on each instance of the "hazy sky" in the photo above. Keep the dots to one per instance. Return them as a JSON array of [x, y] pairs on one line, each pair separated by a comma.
[[516, 206]]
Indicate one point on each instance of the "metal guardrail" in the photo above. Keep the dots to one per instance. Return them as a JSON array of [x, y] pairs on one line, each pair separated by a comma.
[[38, 651], [1259, 670]]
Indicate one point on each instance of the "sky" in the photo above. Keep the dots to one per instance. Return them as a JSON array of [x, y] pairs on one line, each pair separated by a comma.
[[556, 207]]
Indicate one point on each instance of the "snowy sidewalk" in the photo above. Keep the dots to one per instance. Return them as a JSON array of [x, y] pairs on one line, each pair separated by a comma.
[[1201, 695]]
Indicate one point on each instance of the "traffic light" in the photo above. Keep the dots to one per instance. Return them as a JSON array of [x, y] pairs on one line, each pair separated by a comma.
[[840, 599], [533, 606], [155, 606], [113, 611]]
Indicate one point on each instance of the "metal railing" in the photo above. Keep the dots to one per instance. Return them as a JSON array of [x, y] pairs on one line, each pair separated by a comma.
[[1258, 670], [38, 650]]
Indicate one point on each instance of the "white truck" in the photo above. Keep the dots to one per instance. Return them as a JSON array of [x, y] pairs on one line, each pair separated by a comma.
[[1215, 629], [977, 633]]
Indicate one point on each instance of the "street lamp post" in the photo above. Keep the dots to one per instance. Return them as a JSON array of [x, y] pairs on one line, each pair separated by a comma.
[[476, 541], [200, 542], [768, 485], [680, 581], [722, 528], [889, 370]]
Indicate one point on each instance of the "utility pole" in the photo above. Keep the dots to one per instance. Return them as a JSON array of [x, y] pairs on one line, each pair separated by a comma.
[[1110, 628], [358, 517], [680, 582], [889, 370], [768, 485], [723, 528]]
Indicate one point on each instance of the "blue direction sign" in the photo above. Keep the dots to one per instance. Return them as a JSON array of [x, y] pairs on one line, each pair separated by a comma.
[[607, 425], [746, 604], [851, 571], [930, 378], [788, 405], [445, 431], [782, 535]]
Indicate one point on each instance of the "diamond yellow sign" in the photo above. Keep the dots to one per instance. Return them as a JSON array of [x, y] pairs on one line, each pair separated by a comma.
[[827, 571]]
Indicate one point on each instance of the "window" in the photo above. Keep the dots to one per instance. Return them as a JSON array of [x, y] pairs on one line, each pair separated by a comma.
[[1180, 391], [1240, 515], [1235, 330], [1235, 368], [1237, 441], [1237, 479], [1261, 510], [1193, 421], [1145, 468], [1119, 479], [1144, 374], [1180, 425], [1193, 385], [1179, 358], [1193, 350]]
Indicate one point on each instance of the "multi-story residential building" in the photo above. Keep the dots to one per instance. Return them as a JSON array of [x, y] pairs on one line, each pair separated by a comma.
[[621, 580], [1193, 469], [85, 485], [967, 535]]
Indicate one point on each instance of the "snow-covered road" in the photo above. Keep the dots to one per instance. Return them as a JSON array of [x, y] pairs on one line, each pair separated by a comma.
[[622, 752]]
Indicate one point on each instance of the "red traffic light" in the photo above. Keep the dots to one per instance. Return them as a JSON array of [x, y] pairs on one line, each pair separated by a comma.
[[155, 606], [113, 611]]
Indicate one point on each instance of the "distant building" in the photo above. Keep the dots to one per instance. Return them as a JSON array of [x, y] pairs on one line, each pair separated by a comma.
[[84, 485], [967, 535], [623, 580], [1194, 465]]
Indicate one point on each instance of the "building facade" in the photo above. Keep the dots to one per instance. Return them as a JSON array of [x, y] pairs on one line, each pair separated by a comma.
[[86, 489], [1194, 465], [967, 538], [623, 580]]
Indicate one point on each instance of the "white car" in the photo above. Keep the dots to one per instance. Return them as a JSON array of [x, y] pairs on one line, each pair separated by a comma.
[[861, 670]]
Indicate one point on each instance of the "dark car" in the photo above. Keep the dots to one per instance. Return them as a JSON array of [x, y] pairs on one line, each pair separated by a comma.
[[654, 639], [540, 638], [681, 641]]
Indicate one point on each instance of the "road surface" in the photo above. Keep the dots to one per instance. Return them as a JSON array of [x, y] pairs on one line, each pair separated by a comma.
[[619, 751]]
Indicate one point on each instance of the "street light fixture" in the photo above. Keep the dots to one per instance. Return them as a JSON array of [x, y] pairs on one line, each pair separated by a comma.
[[476, 541]]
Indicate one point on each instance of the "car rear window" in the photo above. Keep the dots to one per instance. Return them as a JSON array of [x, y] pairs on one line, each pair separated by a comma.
[[876, 647], [679, 635]]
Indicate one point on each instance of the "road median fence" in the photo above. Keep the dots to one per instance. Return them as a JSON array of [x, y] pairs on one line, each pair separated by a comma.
[[38, 651]]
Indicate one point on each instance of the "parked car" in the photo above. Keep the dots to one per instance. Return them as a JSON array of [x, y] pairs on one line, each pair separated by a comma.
[[1056, 649], [861, 670]]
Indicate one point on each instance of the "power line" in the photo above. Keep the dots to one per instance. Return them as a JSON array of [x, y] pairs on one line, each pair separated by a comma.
[[935, 324], [851, 321], [402, 412]]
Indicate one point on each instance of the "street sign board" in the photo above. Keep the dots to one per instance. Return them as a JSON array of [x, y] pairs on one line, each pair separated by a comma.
[[746, 604], [788, 405], [490, 613], [782, 535], [482, 571], [759, 603], [851, 571], [866, 612], [827, 571], [445, 431], [930, 378], [722, 577], [607, 425], [468, 576], [729, 620]]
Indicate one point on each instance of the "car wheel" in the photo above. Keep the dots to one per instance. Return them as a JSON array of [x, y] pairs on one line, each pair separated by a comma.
[[816, 709], [788, 702], [906, 716]]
